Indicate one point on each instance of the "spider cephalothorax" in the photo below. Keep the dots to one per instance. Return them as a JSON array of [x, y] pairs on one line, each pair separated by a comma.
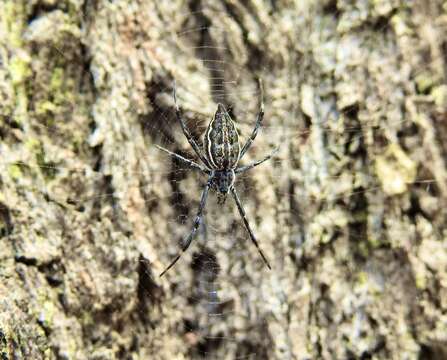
[[220, 157], [223, 180]]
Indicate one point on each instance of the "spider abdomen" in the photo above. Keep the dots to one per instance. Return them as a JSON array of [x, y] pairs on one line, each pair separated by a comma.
[[222, 141]]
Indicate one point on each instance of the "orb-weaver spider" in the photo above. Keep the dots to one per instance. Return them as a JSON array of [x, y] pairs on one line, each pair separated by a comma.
[[220, 158]]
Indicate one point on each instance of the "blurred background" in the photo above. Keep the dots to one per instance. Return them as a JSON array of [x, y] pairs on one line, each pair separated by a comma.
[[351, 211]]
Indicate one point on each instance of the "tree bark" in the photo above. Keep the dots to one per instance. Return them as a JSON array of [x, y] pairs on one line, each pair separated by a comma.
[[351, 211]]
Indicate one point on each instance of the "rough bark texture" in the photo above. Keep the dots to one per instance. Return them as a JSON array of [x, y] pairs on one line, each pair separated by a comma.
[[351, 213]]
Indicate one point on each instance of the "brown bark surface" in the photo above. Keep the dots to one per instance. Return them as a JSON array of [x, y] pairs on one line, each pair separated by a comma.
[[351, 212]]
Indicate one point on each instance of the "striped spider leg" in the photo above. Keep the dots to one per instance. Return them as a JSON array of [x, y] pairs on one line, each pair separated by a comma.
[[220, 157]]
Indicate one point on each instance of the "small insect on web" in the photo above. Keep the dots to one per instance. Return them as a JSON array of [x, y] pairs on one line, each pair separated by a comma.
[[220, 157]]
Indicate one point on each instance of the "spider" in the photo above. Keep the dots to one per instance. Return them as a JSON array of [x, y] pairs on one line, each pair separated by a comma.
[[220, 158]]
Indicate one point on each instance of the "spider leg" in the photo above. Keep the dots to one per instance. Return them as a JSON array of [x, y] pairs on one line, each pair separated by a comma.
[[188, 162], [195, 227], [247, 226], [256, 163], [257, 125], [186, 132]]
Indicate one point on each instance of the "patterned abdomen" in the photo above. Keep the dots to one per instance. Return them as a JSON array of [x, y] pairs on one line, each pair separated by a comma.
[[222, 141]]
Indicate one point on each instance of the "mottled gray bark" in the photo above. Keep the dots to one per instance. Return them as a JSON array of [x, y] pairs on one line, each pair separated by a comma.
[[351, 211]]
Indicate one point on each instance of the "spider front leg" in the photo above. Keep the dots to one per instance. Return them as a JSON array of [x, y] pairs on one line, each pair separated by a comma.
[[247, 226], [257, 125], [195, 227], [186, 132]]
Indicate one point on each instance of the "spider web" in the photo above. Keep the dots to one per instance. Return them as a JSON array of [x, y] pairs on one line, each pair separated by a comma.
[[219, 295], [312, 203]]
